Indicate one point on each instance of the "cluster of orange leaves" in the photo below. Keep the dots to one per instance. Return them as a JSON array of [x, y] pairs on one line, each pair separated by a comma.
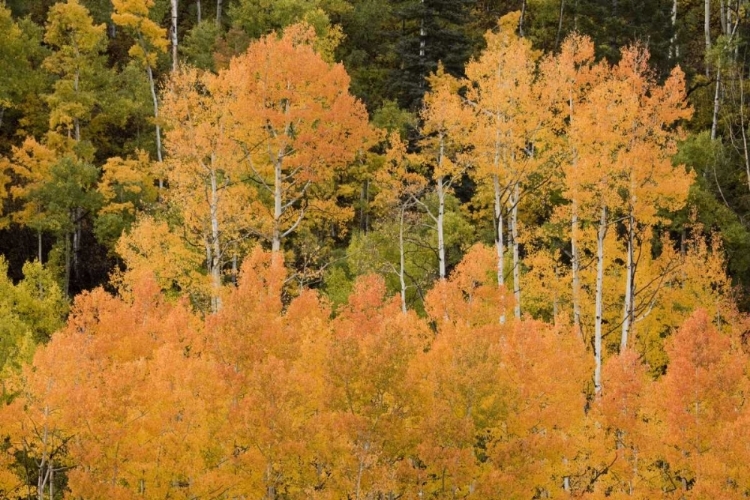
[[142, 397]]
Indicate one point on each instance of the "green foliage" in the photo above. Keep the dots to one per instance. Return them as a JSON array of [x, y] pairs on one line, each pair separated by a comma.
[[199, 45], [30, 312]]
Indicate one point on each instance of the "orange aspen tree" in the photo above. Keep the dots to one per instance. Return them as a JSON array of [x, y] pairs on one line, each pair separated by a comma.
[[501, 92], [296, 125], [568, 76], [701, 395], [203, 170], [651, 183], [624, 140], [372, 402]]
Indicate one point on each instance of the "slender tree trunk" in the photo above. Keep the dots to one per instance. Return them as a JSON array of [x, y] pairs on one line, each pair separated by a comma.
[[674, 50], [39, 245], [152, 86], [173, 33], [717, 101], [516, 257], [276, 242], [198, 12], [627, 318], [743, 128], [560, 23], [67, 264], [500, 242], [402, 260], [77, 230], [215, 264], [521, 19], [235, 269], [601, 234], [707, 31], [218, 13], [440, 222], [575, 264]]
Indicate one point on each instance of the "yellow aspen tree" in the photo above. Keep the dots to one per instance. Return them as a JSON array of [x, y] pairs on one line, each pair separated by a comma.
[[446, 125], [205, 180], [150, 40], [509, 117]]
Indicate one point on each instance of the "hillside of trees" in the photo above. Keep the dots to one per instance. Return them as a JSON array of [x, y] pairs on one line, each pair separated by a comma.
[[372, 249]]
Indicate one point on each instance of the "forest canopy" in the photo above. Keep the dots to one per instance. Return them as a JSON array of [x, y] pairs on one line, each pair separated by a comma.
[[374, 249]]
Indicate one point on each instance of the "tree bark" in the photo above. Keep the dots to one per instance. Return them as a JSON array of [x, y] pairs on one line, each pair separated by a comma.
[[674, 50], [516, 256], [277, 209], [717, 102], [627, 318], [575, 264], [152, 86], [402, 260], [198, 12], [560, 23], [173, 33], [440, 222], [218, 13], [500, 245], [707, 31], [215, 264], [601, 234]]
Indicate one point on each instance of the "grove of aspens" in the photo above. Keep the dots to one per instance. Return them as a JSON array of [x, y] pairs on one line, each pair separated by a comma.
[[374, 249]]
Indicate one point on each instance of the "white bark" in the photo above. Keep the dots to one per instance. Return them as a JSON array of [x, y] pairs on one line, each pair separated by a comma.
[[601, 234], [717, 102], [500, 245], [218, 13], [440, 223], [441, 188], [174, 34], [277, 208], [152, 86], [575, 264], [707, 30], [674, 50], [627, 315], [402, 260], [516, 257], [216, 253], [198, 11]]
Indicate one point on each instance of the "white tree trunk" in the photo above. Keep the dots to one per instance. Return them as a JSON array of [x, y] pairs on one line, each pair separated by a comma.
[[277, 208], [402, 260], [198, 12], [174, 34], [575, 264], [717, 102], [440, 223], [215, 264], [500, 244], [152, 86], [627, 315], [674, 50], [218, 13], [516, 258], [601, 234], [707, 30]]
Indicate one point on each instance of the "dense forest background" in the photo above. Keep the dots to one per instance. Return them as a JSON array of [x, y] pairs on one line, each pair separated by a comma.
[[374, 249]]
